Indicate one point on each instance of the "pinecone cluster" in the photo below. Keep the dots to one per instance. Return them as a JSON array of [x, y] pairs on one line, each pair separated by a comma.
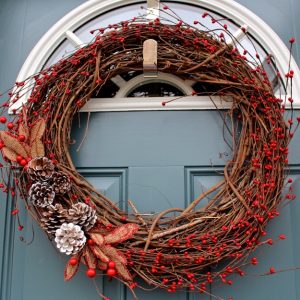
[[47, 182], [67, 225], [79, 214]]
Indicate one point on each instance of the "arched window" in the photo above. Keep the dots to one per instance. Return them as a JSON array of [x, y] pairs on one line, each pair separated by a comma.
[[73, 31]]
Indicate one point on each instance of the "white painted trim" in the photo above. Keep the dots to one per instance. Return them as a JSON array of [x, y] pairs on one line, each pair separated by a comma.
[[152, 9], [74, 39], [90, 9], [119, 81], [238, 35], [155, 103]]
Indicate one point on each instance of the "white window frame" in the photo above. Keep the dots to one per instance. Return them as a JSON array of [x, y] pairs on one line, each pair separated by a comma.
[[65, 27]]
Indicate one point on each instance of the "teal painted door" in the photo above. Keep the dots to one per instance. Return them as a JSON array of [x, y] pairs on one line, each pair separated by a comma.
[[158, 160]]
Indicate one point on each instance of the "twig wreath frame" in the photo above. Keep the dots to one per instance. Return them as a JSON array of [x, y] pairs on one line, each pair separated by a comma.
[[171, 253]]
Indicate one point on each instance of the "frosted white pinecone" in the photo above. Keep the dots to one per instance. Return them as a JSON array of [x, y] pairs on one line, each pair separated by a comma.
[[69, 238]]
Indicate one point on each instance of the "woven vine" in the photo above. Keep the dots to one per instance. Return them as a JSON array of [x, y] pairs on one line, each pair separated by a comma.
[[180, 247]]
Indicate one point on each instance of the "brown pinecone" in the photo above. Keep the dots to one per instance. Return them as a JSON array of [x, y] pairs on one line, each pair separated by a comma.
[[41, 194], [60, 182], [40, 169], [53, 218], [82, 215]]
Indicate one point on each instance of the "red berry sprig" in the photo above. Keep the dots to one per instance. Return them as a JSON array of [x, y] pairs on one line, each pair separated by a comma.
[[111, 271]]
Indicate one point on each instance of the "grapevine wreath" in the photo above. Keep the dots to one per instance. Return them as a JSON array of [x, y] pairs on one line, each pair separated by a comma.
[[177, 248]]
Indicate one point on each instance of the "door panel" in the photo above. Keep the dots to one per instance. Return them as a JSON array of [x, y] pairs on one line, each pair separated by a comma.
[[124, 159], [180, 138]]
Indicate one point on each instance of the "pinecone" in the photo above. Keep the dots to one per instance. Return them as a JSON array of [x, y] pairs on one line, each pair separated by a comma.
[[53, 218], [40, 169], [82, 215], [41, 194], [69, 238], [61, 183]]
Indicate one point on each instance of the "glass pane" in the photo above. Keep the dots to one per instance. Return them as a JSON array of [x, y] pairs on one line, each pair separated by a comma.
[[155, 89], [63, 50]]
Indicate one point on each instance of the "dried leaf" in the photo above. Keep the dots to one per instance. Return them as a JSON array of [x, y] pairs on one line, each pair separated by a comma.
[[10, 154], [114, 254], [99, 253], [37, 149], [70, 271], [24, 114], [37, 130], [97, 238], [90, 258], [23, 130], [123, 272], [102, 266], [12, 143], [27, 148], [121, 233]]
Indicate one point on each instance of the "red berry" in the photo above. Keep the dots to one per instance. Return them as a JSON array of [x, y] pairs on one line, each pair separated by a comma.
[[10, 125], [21, 138], [19, 158], [15, 212], [23, 162], [20, 228], [111, 272], [292, 40], [73, 261], [91, 273], [111, 265], [90, 242], [282, 237], [3, 119], [272, 270]]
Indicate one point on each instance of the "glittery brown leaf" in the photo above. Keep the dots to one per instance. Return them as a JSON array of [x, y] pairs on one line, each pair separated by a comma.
[[37, 149], [10, 154], [37, 130], [99, 253], [114, 254], [24, 114], [12, 143], [121, 233], [70, 270], [123, 272], [27, 148], [90, 258], [97, 238], [23, 130]]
